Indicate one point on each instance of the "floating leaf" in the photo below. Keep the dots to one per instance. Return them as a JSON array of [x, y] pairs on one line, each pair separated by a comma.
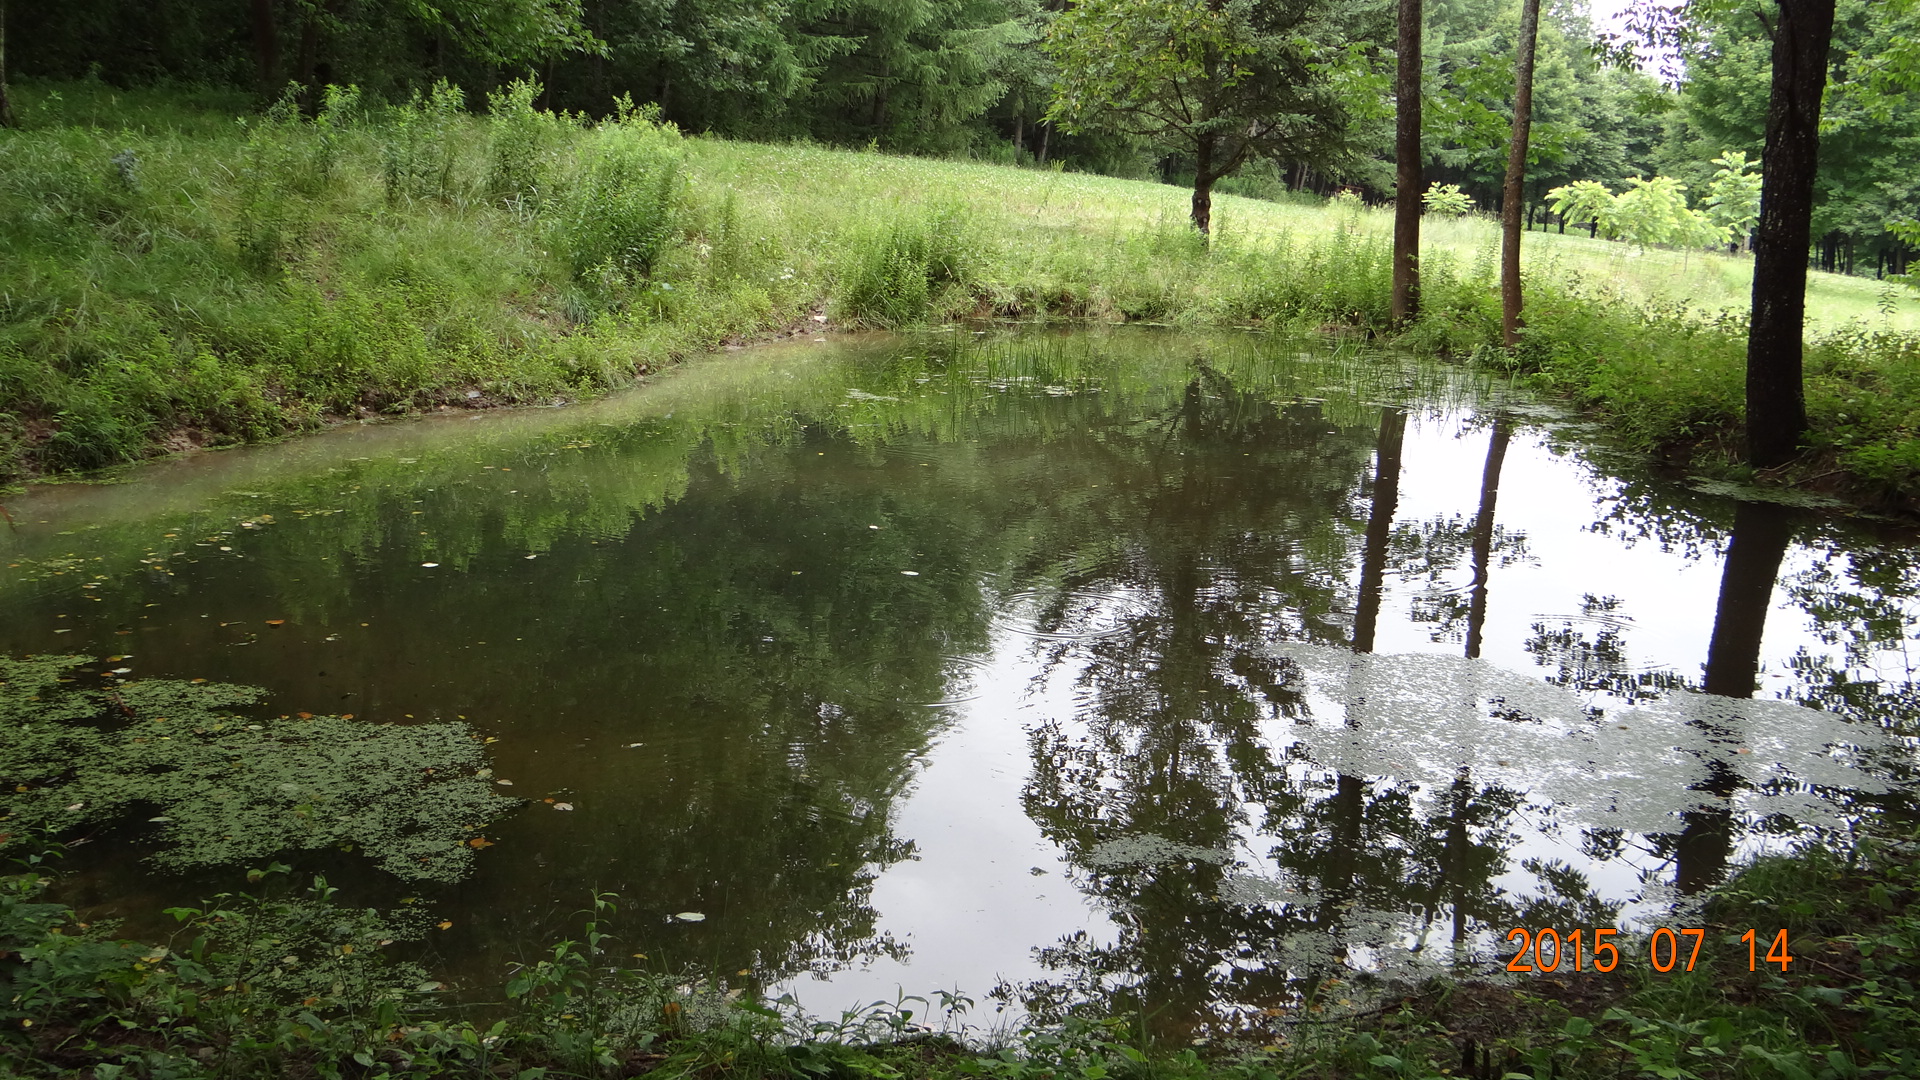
[[563, 806], [479, 842], [690, 916], [276, 622], [911, 573], [445, 924], [429, 564]]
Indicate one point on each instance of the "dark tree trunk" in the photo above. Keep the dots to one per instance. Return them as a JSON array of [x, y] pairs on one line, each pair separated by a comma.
[[6, 102], [1776, 401], [1407, 185], [309, 53], [1386, 500], [1203, 178], [1761, 532], [1511, 196], [266, 48], [1483, 534], [1046, 133]]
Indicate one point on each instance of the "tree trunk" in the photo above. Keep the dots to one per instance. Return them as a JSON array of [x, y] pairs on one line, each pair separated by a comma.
[[1203, 179], [1483, 534], [1776, 401], [1046, 133], [266, 48], [1386, 501], [6, 102], [1761, 532], [1511, 196], [1407, 186]]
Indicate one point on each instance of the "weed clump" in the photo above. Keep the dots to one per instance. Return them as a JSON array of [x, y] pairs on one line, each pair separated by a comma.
[[898, 273]]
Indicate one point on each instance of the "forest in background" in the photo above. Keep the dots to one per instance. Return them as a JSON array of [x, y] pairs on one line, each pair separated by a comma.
[[981, 79]]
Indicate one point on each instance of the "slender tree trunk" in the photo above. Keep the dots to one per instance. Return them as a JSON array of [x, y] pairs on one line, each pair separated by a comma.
[[1512, 197], [1483, 534], [1407, 186], [1761, 532], [1386, 500], [1203, 179], [1046, 133], [266, 48], [6, 102], [1776, 401]]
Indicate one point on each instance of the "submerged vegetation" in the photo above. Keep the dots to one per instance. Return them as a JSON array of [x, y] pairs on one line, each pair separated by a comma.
[[177, 279]]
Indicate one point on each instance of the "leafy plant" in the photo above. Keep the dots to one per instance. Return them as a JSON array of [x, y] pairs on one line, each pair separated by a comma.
[[1447, 199], [227, 789]]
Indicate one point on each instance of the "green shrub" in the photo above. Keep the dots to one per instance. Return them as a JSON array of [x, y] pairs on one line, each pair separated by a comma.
[[890, 275], [520, 143], [622, 214]]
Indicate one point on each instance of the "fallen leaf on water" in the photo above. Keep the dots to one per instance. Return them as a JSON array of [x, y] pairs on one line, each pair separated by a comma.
[[276, 622], [479, 842], [690, 916], [639, 956], [911, 573], [563, 806], [429, 564], [446, 924], [196, 680], [304, 715], [504, 783], [346, 716]]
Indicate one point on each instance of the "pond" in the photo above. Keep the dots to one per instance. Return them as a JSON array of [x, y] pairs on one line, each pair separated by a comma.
[[1162, 673]]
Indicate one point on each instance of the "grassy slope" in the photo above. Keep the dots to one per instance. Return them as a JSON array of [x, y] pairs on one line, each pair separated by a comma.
[[253, 281]]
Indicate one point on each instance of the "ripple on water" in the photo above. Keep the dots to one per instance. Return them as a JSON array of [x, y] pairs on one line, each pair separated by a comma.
[[1069, 615]]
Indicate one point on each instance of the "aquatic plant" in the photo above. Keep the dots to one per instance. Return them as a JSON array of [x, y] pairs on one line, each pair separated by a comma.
[[225, 789]]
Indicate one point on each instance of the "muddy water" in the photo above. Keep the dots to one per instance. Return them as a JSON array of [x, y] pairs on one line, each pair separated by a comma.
[[1165, 672]]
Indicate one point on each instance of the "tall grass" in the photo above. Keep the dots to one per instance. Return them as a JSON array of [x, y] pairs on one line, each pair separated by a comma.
[[170, 281]]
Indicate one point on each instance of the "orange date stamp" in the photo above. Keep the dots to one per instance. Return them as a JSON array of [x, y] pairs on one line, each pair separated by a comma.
[[1546, 949]]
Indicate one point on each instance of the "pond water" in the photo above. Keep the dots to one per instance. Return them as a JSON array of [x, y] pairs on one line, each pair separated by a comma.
[[1164, 672]]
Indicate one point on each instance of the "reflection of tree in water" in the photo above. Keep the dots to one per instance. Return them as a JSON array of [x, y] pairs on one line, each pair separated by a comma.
[[1168, 780], [1600, 663]]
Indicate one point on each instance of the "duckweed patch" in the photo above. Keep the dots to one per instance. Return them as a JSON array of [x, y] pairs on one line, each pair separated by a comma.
[[85, 749]]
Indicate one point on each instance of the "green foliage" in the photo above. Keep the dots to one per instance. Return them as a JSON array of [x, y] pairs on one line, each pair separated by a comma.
[[1582, 201], [1733, 196], [623, 214], [420, 152], [520, 143], [893, 275], [1655, 212], [225, 789], [1220, 84], [1447, 199]]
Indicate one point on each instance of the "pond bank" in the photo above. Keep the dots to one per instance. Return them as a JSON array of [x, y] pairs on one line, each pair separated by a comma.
[[374, 263], [210, 1003]]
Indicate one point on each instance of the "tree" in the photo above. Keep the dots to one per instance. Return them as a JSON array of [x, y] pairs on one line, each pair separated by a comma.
[[1512, 210], [910, 74], [1583, 200], [1733, 197], [1776, 395], [1407, 156], [1221, 81], [6, 103]]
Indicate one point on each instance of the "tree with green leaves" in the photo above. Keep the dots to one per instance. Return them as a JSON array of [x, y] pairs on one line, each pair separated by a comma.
[[1219, 81], [1733, 197]]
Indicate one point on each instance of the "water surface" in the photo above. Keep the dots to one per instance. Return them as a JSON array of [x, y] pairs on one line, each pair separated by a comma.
[[1153, 671]]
